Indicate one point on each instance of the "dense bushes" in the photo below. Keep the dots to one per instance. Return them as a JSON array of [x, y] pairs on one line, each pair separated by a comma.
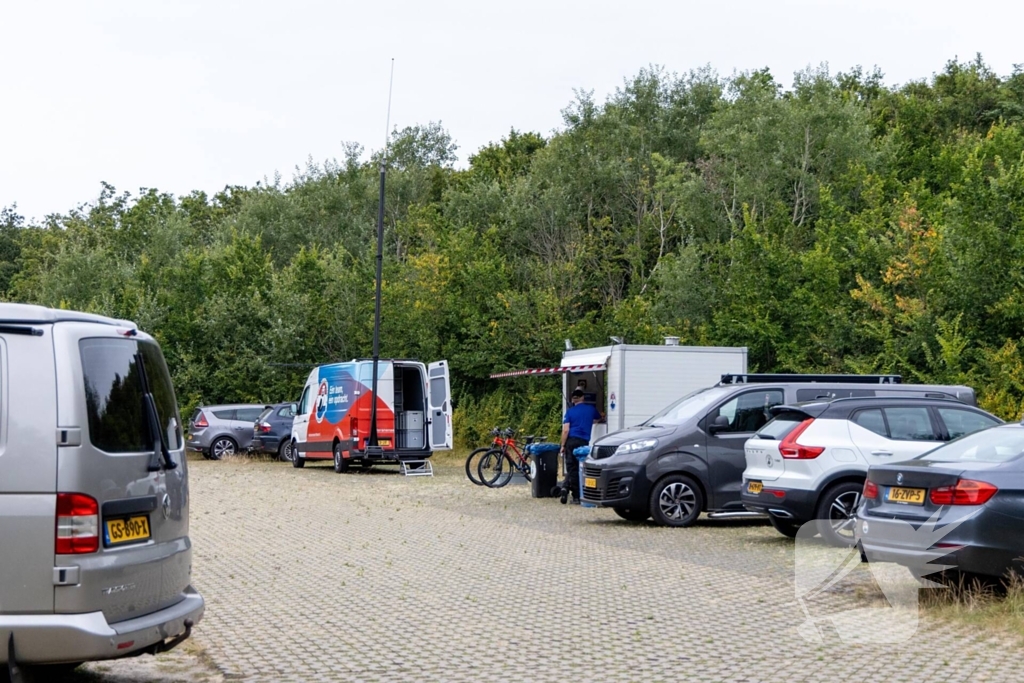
[[838, 226]]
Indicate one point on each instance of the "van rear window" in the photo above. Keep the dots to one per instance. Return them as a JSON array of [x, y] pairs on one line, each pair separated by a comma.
[[114, 398]]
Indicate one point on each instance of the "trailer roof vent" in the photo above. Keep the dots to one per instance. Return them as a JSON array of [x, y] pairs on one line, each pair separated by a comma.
[[671, 341]]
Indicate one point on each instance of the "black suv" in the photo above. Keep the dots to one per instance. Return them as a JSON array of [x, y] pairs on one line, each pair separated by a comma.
[[689, 458]]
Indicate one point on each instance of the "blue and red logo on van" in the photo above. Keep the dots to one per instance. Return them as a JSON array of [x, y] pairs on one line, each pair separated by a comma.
[[321, 401]]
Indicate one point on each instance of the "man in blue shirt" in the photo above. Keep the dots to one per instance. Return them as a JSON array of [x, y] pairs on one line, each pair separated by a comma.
[[576, 427]]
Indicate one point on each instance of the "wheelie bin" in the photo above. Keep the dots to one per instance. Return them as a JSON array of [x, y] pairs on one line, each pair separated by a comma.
[[545, 478]]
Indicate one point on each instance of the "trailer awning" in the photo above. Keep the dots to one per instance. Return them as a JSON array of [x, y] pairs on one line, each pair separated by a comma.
[[590, 367]]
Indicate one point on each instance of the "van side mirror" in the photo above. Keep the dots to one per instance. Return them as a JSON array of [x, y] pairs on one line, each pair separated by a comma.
[[720, 424], [294, 408]]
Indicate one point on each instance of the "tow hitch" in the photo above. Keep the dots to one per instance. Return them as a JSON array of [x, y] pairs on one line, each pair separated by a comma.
[[12, 664]]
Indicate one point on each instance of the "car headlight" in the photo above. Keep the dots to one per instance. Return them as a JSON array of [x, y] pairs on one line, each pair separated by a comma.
[[636, 446]]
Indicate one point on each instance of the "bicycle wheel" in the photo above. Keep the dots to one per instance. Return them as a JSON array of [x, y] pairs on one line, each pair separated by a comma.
[[528, 466], [472, 462], [495, 469]]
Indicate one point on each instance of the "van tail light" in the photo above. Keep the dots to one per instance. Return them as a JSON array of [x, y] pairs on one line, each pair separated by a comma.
[[870, 490], [789, 448], [965, 492], [201, 420], [78, 524]]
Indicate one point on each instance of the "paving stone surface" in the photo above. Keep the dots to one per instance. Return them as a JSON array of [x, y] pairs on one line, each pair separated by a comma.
[[311, 575]]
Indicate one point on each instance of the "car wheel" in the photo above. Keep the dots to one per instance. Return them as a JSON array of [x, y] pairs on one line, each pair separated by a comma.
[[837, 513], [285, 452], [676, 501], [340, 463], [632, 514], [221, 446], [784, 526], [297, 460]]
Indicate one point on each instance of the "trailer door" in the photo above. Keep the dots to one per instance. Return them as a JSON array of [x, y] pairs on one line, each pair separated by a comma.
[[440, 406]]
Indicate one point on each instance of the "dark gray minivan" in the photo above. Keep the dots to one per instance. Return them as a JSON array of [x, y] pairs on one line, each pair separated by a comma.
[[689, 458], [96, 557]]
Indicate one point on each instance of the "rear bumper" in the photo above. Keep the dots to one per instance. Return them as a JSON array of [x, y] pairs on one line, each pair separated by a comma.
[[265, 444], [197, 445], [977, 547], [60, 638], [797, 505]]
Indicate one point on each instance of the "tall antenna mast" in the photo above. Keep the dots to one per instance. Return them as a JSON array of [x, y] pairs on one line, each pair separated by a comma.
[[372, 440]]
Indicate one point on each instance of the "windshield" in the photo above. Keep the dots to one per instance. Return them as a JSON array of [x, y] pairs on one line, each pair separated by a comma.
[[997, 444], [687, 407]]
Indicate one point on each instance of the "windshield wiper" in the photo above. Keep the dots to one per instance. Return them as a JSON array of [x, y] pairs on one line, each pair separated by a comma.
[[161, 457]]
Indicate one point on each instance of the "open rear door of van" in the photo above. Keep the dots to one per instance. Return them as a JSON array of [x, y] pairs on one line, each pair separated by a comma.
[[440, 406]]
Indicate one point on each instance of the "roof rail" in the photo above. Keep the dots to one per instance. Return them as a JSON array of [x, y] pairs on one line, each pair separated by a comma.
[[757, 378], [920, 397]]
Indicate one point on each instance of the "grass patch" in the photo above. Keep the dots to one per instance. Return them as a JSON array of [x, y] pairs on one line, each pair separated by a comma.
[[990, 604]]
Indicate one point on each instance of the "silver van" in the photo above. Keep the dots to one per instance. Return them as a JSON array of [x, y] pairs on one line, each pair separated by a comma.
[[95, 557]]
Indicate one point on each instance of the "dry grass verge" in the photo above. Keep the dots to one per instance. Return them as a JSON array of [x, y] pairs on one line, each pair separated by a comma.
[[989, 604]]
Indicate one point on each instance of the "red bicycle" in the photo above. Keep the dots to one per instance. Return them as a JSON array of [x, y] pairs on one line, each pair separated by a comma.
[[497, 465], [501, 436]]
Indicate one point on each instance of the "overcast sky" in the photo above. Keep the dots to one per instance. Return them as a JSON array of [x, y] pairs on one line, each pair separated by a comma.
[[197, 95]]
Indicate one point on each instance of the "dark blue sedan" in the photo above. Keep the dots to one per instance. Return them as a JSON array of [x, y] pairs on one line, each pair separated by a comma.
[[957, 507], [272, 431]]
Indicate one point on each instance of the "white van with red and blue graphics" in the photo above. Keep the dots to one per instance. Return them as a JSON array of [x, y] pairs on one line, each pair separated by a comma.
[[414, 414]]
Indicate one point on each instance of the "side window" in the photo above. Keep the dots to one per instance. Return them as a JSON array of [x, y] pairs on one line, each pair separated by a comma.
[[959, 422], [163, 392], [224, 414], [747, 412], [287, 411], [871, 419], [911, 423], [248, 414], [113, 396], [304, 402]]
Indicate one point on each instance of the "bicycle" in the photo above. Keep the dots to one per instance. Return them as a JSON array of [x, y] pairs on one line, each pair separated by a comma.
[[473, 460], [497, 466]]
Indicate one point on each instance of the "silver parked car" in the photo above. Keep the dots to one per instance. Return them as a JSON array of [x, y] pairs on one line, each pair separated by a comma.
[[216, 431], [94, 500]]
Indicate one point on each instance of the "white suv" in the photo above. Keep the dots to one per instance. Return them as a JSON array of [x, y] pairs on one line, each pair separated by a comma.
[[809, 462]]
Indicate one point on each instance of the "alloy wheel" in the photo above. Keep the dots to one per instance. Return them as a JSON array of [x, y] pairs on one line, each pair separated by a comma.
[[677, 501], [842, 514], [222, 447]]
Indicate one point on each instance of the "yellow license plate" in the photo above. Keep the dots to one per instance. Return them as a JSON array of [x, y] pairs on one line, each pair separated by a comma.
[[127, 530], [906, 496], [754, 487], [384, 442], [589, 483]]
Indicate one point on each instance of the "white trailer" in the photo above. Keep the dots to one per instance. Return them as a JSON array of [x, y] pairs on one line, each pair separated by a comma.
[[630, 382]]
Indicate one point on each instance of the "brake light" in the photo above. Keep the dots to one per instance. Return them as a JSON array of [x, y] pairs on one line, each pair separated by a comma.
[[78, 524], [201, 420], [264, 427], [965, 492], [870, 490], [789, 448]]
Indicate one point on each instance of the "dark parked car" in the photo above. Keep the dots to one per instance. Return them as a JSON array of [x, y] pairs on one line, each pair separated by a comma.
[[272, 431], [960, 505], [689, 457]]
